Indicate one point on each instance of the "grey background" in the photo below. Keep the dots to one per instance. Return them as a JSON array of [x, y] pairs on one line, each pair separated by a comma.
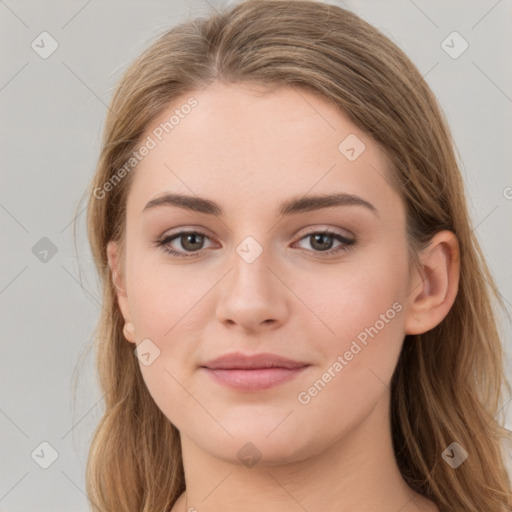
[[52, 113]]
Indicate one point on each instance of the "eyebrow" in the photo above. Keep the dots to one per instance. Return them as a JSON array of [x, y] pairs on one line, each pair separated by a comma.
[[291, 206]]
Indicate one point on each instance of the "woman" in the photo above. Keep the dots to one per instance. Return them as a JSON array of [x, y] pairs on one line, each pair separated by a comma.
[[297, 314]]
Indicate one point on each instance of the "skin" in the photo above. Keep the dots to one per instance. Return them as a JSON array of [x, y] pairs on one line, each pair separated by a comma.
[[249, 151]]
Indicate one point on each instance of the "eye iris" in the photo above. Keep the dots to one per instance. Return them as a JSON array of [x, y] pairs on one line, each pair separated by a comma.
[[193, 236], [322, 246]]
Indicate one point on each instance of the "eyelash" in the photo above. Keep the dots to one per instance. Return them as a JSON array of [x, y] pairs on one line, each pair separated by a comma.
[[348, 243]]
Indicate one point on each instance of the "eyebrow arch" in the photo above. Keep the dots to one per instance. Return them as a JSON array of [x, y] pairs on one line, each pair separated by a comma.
[[291, 206]]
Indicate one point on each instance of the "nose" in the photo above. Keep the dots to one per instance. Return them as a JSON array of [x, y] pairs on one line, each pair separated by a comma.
[[252, 298]]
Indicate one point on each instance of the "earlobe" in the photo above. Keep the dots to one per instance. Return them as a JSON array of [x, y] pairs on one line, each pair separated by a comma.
[[119, 283], [129, 332], [435, 287]]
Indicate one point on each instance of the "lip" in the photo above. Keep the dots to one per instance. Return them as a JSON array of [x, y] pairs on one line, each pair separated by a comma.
[[255, 372]]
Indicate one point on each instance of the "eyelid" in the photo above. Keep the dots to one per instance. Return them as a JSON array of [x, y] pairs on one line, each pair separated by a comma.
[[322, 228], [182, 230]]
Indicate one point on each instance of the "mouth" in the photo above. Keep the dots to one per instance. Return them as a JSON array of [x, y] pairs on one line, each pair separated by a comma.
[[254, 372]]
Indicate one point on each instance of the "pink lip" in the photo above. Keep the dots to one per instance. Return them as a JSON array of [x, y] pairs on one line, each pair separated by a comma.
[[253, 373]]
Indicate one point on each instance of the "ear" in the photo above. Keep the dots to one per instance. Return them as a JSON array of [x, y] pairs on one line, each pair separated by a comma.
[[115, 264], [434, 289]]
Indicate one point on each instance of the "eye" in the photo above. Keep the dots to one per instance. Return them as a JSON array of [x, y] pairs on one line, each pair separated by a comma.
[[192, 243], [322, 242]]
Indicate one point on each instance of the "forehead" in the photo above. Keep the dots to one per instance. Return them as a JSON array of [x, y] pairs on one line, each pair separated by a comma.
[[248, 147]]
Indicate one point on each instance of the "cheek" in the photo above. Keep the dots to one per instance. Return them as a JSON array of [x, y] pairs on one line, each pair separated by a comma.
[[345, 299], [159, 293], [358, 362], [362, 309], [162, 305]]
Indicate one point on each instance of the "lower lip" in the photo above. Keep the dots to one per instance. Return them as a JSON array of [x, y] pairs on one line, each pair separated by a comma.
[[254, 380]]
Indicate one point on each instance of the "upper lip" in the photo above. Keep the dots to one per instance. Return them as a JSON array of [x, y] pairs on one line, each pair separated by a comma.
[[239, 361]]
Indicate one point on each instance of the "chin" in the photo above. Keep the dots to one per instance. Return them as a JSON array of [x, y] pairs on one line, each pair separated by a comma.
[[252, 446]]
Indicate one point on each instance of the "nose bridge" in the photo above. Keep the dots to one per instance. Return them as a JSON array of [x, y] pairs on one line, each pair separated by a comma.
[[251, 261], [251, 295]]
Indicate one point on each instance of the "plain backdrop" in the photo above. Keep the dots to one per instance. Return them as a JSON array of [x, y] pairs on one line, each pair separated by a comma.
[[52, 113]]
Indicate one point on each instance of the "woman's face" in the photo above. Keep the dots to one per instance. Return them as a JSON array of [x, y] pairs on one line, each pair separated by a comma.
[[254, 280]]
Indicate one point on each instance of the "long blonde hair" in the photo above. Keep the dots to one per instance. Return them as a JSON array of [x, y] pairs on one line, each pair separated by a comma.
[[449, 382]]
